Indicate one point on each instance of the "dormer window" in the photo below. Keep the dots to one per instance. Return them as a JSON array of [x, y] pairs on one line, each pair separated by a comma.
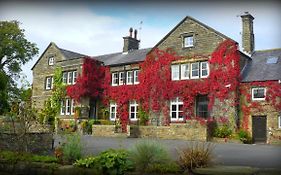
[[51, 61], [188, 41]]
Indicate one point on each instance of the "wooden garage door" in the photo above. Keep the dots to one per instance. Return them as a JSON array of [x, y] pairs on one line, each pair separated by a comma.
[[259, 129]]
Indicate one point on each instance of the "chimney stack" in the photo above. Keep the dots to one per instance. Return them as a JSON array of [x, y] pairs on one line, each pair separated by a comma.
[[248, 38], [131, 43]]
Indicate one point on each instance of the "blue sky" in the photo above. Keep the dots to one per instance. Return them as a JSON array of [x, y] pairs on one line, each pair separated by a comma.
[[97, 28]]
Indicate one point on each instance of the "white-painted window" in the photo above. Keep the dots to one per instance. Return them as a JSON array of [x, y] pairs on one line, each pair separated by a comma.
[[68, 106], [62, 109], [258, 93], [70, 77], [51, 61], [133, 110], [184, 71], [176, 110], [136, 77], [130, 77], [112, 111], [74, 77], [175, 72], [194, 70], [72, 107], [114, 79], [121, 78], [49, 83], [188, 41], [204, 69], [64, 77]]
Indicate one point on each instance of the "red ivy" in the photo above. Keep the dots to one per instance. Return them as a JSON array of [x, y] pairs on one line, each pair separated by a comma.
[[89, 84], [273, 96]]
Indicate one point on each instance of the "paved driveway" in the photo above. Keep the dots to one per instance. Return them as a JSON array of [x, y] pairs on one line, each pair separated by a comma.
[[262, 156]]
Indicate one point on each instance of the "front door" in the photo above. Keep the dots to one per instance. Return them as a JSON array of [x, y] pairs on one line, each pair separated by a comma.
[[259, 129], [93, 109]]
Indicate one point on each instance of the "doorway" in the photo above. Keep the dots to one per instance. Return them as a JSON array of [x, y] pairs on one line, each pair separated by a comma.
[[259, 129]]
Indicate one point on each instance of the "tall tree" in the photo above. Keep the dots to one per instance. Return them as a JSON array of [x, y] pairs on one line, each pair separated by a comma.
[[15, 51]]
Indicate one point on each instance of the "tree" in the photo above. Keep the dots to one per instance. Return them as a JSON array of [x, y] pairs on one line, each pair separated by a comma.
[[15, 51]]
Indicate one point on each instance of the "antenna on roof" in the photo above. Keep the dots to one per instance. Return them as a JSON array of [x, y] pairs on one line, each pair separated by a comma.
[[140, 27]]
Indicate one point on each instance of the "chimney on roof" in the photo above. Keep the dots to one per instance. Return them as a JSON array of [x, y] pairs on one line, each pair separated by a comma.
[[248, 38], [131, 43]]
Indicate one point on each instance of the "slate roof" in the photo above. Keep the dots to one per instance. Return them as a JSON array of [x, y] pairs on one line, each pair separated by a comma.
[[259, 70], [70, 54], [120, 58]]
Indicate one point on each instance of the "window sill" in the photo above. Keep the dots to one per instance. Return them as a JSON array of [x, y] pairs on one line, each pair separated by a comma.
[[258, 99]]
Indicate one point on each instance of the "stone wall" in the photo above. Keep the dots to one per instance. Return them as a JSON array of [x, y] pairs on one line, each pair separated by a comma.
[[191, 130]]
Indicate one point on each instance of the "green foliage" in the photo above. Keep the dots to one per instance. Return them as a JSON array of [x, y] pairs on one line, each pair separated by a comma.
[[72, 149], [147, 153], [144, 117], [244, 136], [14, 157], [89, 162], [15, 51], [108, 162], [164, 168], [114, 161], [53, 104], [195, 155], [222, 132]]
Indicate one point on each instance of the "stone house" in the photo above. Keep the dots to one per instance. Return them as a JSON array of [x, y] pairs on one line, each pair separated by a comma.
[[189, 37]]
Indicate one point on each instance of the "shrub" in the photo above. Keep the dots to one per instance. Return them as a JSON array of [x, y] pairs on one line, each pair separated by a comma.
[[222, 132], [89, 162], [114, 161], [195, 155], [107, 162], [244, 136], [72, 149], [147, 153], [170, 167]]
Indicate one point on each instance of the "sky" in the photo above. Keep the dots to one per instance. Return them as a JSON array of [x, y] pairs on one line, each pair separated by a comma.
[[97, 27]]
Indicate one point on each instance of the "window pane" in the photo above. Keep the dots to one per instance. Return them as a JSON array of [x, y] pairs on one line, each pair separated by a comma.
[[175, 72], [195, 70], [129, 77], [64, 77], [174, 107], [74, 76], [69, 78], [204, 69], [68, 106], [121, 78], [136, 76], [184, 71], [174, 115], [259, 93]]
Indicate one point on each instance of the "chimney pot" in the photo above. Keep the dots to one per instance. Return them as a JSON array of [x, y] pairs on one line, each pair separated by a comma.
[[131, 32], [135, 34]]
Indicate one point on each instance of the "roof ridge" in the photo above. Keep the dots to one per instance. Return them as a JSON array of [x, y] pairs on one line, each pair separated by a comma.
[[71, 51], [268, 50]]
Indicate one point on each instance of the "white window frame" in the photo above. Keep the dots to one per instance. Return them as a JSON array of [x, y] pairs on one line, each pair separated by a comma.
[[279, 121], [191, 70], [72, 107], [176, 102], [51, 61], [175, 70], [188, 41], [130, 77], [69, 77], [201, 69], [113, 78], [64, 77], [67, 106], [183, 70], [74, 77], [135, 105], [122, 78], [63, 107], [258, 99], [112, 105], [49, 83], [136, 77]]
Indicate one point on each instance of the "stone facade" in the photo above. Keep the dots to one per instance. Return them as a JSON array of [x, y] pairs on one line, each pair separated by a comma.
[[191, 130], [42, 70]]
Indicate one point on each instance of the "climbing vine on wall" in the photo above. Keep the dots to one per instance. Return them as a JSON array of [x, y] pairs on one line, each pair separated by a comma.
[[89, 83], [273, 99], [156, 88]]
